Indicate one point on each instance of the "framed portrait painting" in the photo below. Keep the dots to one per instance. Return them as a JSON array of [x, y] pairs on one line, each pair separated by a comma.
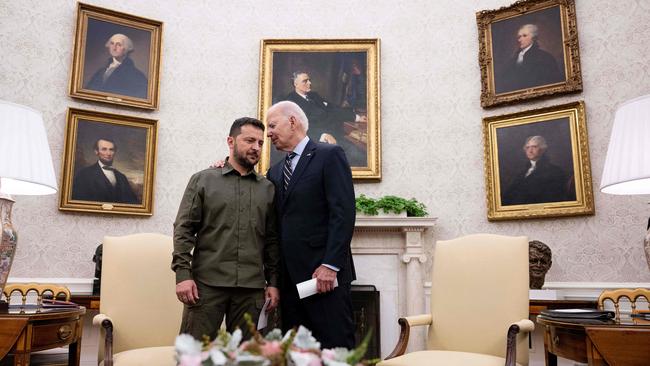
[[528, 50], [336, 83], [116, 58], [537, 163], [108, 163]]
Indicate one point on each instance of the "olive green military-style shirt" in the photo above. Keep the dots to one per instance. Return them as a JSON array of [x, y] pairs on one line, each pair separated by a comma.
[[229, 222]]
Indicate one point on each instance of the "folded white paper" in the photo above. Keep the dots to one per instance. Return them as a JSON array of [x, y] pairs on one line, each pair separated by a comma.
[[308, 288], [263, 319]]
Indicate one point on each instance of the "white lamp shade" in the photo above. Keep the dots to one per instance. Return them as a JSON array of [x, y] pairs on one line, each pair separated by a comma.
[[627, 166], [25, 159]]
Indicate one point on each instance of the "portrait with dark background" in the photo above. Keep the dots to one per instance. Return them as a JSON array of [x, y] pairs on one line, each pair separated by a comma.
[[130, 155], [339, 78], [505, 45], [512, 158], [96, 55]]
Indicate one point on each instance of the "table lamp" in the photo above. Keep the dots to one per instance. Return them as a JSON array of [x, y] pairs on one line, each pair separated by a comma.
[[25, 169], [627, 166]]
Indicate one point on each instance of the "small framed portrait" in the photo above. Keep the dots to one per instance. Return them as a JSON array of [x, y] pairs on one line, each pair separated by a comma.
[[528, 50], [116, 58], [537, 163], [108, 163], [336, 83]]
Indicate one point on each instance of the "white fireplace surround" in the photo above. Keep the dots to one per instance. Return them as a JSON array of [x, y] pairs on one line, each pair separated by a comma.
[[388, 253]]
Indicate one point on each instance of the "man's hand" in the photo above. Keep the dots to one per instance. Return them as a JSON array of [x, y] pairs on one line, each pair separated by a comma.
[[274, 294], [187, 292], [327, 138], [324, 279], [218, 164]]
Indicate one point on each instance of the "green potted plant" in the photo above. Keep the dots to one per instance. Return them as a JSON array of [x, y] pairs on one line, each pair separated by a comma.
[[390, 206]]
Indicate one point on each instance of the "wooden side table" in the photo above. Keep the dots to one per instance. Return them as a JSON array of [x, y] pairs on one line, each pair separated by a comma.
[[536, 306], [597, 343], [27, 329]]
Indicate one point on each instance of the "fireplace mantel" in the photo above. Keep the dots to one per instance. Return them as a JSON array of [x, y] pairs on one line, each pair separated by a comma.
[[382, 223], [389, 254]]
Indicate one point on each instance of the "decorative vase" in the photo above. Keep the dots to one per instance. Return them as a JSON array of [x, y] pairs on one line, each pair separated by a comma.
[[8, 243], [646, 247]]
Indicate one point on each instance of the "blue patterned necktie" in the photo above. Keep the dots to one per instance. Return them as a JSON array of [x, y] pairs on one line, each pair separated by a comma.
[[287, 169]]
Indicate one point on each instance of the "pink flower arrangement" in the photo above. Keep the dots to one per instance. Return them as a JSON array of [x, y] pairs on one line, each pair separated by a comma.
[[294, 348]]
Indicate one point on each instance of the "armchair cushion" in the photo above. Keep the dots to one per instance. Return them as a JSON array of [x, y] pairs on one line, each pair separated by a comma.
[[444, 358], [159, 356]]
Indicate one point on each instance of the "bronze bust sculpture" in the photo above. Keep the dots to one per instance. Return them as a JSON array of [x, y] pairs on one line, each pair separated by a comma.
[[539, 260]]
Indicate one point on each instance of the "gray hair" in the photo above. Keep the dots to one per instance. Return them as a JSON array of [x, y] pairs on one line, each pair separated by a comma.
[[532, 28], [127, 42], [295, 74], [288, 109], [541, 141]]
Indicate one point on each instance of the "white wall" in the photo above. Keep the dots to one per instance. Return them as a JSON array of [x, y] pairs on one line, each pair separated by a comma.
[[431, 115]]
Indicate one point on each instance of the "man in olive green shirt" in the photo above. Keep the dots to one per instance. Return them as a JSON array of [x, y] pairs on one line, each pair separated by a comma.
[[226, 250]]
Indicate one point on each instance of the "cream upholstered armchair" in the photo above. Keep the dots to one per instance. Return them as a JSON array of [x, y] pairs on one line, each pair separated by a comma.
[[479, 305], [139, 311]]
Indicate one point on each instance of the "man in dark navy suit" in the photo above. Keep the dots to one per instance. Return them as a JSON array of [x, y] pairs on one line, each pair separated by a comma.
[[316, 211], [101, 182]]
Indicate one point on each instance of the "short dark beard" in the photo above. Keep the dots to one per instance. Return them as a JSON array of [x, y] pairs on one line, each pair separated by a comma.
[[241, 160]]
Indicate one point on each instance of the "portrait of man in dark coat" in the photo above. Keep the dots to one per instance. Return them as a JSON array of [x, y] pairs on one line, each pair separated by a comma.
[[530, 66], [539, 180], [101, 181], [119, 75], [331, 88]]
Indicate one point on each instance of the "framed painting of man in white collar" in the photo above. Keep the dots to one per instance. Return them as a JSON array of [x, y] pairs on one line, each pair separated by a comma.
[[537, 163], [108, 163], [528, 50], [116, 58]]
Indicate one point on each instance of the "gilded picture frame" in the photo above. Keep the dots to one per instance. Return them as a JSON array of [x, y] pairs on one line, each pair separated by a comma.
[[343, 99], [528, 50], [108, 163], [537, 163], [116, 58]]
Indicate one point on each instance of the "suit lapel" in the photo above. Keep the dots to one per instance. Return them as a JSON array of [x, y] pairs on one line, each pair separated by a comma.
[[305, 158]]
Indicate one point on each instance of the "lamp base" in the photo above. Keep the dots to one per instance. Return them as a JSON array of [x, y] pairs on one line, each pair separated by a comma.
[[646, 247], [8, 239]]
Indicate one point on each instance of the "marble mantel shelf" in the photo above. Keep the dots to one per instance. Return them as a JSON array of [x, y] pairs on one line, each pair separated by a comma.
[[378, 223]]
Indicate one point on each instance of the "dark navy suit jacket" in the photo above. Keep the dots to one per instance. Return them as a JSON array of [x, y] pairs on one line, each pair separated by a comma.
[[316, 213]]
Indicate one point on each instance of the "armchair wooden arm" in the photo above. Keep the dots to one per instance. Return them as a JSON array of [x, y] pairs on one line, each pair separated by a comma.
[[524, 325], [107, 323], [405, 330]]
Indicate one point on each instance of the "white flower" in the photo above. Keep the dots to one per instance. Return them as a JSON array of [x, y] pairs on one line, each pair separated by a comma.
[[274, 335], [186, 344], [217, 357], [304, 340], [252, 360], [340, 353], [189, 360], [234, 341], [304, 358], [334, 363]]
